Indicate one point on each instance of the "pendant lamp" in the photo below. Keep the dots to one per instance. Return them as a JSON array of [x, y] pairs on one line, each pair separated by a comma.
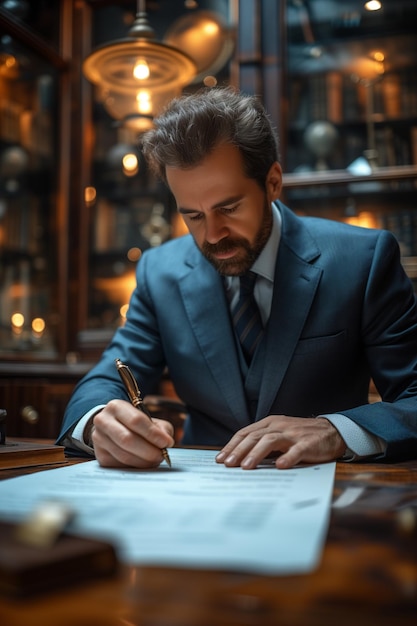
[[138, 75]]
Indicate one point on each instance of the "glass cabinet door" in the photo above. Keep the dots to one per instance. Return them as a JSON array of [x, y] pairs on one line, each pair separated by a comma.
[[351, 128], [130, 211], [28, 189], [352, 89]]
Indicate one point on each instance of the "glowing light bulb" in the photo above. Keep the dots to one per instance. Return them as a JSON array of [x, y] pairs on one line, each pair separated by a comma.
[[143, 98], [141, 70], [378, 56], [17, 320], [38, 325], [373, 5], [130, 164]]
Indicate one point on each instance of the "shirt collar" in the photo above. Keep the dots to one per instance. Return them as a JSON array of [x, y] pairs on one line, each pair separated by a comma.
[[266, 261]]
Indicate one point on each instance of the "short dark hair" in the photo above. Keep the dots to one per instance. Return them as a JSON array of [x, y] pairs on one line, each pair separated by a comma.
[[191, 126]]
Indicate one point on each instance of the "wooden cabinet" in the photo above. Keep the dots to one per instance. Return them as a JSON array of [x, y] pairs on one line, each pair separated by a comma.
[[35, 397]]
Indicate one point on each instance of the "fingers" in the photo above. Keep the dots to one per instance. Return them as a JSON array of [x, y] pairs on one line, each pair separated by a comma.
[[250, 450], [292, 457], [293, 440], [124, 449], [124, 436]]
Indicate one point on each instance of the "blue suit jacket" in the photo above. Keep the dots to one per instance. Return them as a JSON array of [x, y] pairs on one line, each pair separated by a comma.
[[343, 311]]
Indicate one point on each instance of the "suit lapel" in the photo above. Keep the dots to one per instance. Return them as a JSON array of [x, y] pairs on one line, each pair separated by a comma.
[[296, 282], [207, 309]]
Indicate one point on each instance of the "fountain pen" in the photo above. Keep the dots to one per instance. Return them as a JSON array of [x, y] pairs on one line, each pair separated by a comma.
[[135, 396]]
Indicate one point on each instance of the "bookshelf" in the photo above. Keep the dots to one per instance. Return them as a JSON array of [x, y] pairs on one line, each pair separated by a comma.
[[33, 214], [350, 82]]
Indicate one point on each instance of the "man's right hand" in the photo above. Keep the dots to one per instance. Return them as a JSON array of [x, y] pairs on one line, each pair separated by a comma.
[[123, 436]]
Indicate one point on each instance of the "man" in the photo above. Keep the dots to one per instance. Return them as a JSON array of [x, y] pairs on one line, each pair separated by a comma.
[[336, 307]]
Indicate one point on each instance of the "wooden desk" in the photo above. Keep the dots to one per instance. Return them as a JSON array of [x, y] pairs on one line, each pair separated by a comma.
[[367, 577]]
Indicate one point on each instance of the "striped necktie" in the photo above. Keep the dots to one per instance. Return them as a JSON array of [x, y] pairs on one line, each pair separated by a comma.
[[246, 317]]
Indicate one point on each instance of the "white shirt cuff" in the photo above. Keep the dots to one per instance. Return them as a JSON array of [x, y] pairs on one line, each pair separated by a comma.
[[77, 435], [359, 441]]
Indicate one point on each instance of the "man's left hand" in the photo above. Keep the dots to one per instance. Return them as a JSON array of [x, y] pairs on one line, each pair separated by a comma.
[[294, 439]]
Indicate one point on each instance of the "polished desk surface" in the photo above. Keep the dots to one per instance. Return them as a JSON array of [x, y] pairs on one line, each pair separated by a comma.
[[367, 575]]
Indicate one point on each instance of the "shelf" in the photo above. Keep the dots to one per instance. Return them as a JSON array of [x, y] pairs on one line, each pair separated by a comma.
[[337, 177]]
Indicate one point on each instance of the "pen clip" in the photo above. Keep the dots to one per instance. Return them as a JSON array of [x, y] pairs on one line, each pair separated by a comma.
[[130, 383]]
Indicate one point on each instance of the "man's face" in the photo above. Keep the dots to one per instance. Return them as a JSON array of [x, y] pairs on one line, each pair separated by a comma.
[[227, 213]]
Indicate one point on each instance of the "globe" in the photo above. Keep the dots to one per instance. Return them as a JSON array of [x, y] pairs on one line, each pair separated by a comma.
[[320, 138]]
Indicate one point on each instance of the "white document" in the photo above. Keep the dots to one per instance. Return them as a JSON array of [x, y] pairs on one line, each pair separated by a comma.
[[198, 514]]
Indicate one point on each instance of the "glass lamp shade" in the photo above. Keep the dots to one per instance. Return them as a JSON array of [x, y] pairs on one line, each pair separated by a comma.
[[112, 66], [136, 77]]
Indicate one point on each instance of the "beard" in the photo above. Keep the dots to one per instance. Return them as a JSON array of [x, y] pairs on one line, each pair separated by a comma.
[[246, 253]]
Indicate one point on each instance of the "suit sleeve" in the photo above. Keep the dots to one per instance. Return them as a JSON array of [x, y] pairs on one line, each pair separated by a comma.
[[389, 331], [137, 343]]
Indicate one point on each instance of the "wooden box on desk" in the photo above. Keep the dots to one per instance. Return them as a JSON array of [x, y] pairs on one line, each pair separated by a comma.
[[26, 570]]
